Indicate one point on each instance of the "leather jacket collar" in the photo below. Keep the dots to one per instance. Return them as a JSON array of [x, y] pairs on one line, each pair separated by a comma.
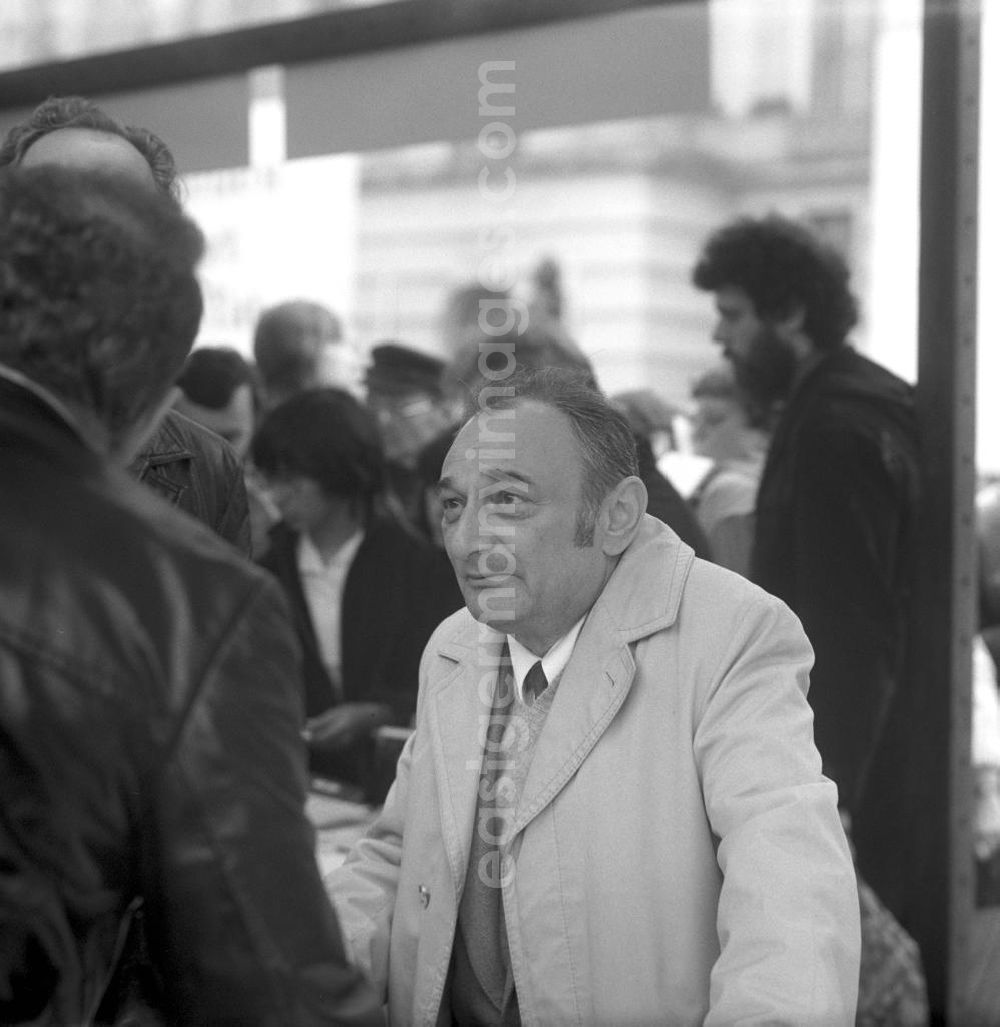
[[13, 380]]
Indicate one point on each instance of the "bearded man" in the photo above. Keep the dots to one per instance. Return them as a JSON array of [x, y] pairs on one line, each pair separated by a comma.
[[837, 505]]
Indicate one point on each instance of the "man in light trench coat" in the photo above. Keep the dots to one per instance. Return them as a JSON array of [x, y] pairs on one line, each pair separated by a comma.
[[611, 810]]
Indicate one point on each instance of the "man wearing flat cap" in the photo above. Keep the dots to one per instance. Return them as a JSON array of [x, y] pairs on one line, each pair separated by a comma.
[[405, 393]]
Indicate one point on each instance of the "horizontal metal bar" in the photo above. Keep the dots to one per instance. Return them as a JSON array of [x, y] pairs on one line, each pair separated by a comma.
[[349, 31]]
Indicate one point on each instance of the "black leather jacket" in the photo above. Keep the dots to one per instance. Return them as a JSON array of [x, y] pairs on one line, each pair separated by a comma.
[[198, 472], [150, 720]]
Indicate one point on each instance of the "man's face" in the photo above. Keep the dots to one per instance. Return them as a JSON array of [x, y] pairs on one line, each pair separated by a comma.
[[762, 356], [302, 502], [407, 423], [234, 421], [719, 428], [90, 150], [737, 323], [510, 522]]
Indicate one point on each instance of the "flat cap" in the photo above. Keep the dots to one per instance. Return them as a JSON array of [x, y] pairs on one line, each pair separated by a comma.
[[396, 369]]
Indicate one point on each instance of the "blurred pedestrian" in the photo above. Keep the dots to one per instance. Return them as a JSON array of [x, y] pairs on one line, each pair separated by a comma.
[[366, 591], [299, 345], [728, 431]]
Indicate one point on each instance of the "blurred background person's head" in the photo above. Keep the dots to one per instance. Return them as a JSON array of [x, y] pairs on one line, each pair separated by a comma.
[[782, 296], [652, 418], [320, 455], [404, 391], [99, 299], [219, 390], [490, 359], [299, 345], [470, 311], [727, 431], [726, 424]]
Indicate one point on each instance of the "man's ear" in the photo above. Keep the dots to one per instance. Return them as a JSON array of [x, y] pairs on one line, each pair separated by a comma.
[[129, 444], [622, 512], [790, 326]]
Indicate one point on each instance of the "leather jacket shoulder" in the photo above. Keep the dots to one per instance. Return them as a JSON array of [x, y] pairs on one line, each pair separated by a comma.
[[150, 716]]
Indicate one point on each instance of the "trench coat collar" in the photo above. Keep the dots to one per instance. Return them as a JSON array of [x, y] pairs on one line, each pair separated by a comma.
[[641, 597]]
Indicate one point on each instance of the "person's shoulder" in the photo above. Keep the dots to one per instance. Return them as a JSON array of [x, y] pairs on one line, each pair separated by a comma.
[[195, 582], [848, 390], [731, 490], [716, 583], [179, 433], [160, 529], [731, 598], [136, 584], [723, 612]]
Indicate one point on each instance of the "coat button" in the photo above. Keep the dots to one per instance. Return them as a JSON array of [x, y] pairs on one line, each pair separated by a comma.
[[425, 896]]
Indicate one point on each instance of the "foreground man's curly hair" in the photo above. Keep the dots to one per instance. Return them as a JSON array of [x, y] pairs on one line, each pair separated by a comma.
[[99, 302]]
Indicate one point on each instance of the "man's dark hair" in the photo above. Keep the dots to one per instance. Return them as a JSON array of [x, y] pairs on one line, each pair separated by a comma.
[[60, 112], [603, 435], [213, 373], [781, 266], [287, 344], [328, 436], [99, 301]]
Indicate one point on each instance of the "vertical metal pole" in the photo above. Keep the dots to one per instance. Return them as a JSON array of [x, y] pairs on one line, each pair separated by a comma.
[[947, 587]]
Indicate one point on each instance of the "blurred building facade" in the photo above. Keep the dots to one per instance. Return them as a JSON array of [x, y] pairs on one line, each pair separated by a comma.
[[621, 206]]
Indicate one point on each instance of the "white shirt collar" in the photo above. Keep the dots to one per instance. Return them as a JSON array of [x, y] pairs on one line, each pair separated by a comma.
[[310, 561], [553, 662], [323, 586]]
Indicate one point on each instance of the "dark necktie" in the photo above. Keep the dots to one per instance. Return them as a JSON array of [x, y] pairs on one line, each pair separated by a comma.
[[535, 683]]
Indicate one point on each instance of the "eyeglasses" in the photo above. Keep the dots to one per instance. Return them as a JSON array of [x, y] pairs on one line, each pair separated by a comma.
[[386, 410]]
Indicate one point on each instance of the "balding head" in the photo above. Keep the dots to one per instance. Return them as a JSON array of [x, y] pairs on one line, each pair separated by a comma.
[[88, 149], [71, 131]]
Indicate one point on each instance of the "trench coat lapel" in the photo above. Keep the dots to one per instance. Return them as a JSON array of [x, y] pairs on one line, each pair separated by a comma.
[[590, 692], [458, 733], [640, 598]]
